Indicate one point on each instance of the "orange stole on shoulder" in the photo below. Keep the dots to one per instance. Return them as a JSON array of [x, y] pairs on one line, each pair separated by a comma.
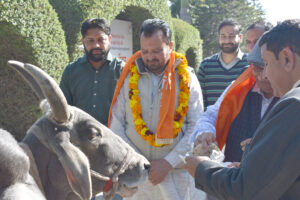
[[164, 130], [232, 104], [125, 72]]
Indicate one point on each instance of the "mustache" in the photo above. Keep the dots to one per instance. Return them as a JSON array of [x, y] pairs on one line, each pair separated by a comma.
[[152, 60], [227, 44], [96, 57], [97, 49]]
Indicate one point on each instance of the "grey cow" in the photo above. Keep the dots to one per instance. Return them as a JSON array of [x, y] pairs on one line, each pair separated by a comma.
[[75, 155]]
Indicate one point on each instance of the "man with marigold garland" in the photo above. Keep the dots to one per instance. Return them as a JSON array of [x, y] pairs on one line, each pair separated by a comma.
[[156, 105]]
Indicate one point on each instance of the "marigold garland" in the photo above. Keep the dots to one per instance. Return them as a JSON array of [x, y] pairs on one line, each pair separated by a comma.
[[183, 99]]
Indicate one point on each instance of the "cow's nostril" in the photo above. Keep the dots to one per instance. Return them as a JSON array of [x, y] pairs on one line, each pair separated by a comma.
[[147, 166]]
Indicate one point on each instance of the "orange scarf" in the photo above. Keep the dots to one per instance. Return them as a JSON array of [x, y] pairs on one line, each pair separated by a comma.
[[232, 104], [164, 130]]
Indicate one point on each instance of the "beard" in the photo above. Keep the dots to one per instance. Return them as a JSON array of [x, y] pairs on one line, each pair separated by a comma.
[[91, 55], [229, 49], [154, 65]]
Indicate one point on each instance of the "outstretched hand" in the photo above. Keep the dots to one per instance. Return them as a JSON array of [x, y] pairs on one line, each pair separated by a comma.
[[191, 163], [205, 139]]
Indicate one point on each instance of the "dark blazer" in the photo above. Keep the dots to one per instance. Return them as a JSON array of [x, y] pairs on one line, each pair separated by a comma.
[[270, 167]]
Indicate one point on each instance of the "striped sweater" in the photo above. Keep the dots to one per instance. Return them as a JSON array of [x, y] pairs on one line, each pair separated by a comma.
[[214, 78]]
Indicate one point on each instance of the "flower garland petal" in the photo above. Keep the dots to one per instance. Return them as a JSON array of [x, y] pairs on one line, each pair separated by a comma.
[[181, 110]]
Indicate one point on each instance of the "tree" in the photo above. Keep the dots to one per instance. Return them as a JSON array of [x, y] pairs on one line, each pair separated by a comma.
[[207, 15], [175, 8], [177, 5]]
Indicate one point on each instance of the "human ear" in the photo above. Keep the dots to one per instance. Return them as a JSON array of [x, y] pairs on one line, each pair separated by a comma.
[[171, 45], [287, 59], [241, 37]]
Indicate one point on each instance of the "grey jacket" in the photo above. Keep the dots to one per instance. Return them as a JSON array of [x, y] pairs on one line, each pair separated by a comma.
[[270, 167]]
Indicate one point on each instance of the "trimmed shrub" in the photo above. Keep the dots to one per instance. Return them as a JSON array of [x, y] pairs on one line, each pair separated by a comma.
[[73, 12], [188, 42], [29, 32]]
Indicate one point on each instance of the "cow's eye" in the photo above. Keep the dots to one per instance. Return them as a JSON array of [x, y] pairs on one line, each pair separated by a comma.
[[93, 133]]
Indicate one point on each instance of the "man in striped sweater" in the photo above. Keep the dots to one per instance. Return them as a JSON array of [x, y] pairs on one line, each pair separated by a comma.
[[219, 70]]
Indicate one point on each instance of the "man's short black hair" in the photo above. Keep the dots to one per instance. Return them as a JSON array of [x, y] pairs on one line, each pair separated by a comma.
[[230, 22], [266, 26], [285, 34], [150, 26], [95, 23]]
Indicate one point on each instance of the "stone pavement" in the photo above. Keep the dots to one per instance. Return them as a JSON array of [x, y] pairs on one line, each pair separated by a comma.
[[195, 193]]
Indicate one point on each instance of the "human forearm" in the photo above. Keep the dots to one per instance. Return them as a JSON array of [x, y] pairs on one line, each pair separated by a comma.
[[207, 120]]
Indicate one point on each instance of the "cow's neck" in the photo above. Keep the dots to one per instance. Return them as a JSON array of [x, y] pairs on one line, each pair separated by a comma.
[[33, 167]]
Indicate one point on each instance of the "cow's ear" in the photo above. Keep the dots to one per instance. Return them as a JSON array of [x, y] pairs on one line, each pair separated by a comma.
[[76, 166], [72, 159]]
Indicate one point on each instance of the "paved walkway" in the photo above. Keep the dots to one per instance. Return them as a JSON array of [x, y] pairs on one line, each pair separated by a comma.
[[195, 194]]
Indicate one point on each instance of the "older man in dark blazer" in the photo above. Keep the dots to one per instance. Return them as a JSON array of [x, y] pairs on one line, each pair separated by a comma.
[[270, 168]]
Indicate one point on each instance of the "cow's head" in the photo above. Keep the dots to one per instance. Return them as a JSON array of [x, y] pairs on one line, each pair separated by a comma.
[[87, 150]]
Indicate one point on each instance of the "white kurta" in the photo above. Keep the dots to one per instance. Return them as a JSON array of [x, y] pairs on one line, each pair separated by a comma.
[[176, 184]]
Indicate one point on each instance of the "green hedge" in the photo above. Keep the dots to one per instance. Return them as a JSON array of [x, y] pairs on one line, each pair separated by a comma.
[[29, 32], [47, 34], [188, 42], [73, 12]]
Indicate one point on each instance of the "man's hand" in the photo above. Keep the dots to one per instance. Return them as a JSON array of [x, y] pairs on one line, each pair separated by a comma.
[[205, 138], [244, 143], [158, 171], [234, 164], [191, 163]]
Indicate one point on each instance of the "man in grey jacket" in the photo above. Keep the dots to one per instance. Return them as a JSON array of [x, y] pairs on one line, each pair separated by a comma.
[[270, 167]]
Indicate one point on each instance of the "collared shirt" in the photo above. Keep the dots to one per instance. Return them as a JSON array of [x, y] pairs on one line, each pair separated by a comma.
[[238, 57], [296, 84], [265, 101], [91, 89], [207, 121], [214, 77], [156, 79]]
